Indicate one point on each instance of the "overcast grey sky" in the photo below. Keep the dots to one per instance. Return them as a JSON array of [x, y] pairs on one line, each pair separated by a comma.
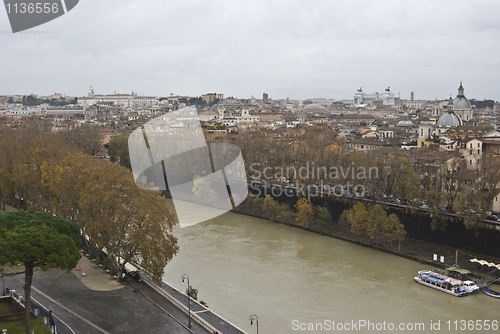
[[291, 48]]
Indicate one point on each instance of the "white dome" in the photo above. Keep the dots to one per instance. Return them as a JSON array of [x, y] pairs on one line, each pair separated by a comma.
[[405, 123], [449, 120], [461, 102], [315, 108]]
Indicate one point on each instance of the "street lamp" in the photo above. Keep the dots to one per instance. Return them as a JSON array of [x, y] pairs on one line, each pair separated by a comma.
[[3, 281], [184, 278], [252, 318]]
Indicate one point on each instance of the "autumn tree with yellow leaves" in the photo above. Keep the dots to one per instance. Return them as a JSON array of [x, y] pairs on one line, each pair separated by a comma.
[[46, 173], [374, 223], [304, 212]]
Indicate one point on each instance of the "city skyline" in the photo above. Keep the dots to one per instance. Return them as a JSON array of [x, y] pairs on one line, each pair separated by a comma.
[[295, 49], [353, 98]]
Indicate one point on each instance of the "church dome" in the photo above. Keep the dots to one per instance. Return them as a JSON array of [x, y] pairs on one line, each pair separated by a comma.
[[449, 120], [404, 123], [315, 108], [461, 102]]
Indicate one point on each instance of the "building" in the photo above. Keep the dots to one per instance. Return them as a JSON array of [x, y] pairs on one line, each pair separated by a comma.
[[368, 144], [362, 98], [121, 100], [244, 118], [491, 145], [209, 98], [385, 133], [472, 152], [462, 106], [452, 117], [208, 115], [265, 98], [270, 116]]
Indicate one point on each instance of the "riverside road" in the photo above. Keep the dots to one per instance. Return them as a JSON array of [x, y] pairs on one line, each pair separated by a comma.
[[87, 311]]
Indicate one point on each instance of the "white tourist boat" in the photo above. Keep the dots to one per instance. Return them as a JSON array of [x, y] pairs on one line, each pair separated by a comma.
[[441, 282]]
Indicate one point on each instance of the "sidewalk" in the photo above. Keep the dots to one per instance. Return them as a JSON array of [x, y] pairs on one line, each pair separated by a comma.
[[215, 320], [219, 324]]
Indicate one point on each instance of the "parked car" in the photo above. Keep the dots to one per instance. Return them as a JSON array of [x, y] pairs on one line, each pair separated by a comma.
[[492, 217]]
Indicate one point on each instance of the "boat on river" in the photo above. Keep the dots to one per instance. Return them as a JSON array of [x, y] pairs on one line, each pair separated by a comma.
[[491, 293], [441, 282], [471, 287]]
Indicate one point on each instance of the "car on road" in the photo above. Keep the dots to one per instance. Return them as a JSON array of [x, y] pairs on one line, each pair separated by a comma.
[[492, 217]]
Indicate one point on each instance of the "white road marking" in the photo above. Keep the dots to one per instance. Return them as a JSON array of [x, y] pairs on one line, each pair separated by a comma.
[[70, 311]]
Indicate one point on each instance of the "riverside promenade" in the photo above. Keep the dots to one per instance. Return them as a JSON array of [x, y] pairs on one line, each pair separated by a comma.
[[90, 301]]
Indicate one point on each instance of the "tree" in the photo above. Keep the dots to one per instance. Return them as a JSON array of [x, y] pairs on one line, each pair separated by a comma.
[[202, 189], [22, 154], [270, 208], [357, 217], [144, 233], [374, 223], [43, 172], [393, 229], [37, 239], [86, 137], [118, 149], [193, 293], [304, 212], [377, 217], [324, 216], [31, 100]]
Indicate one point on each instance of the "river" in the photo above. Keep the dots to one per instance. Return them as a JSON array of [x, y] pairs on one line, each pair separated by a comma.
[[289, 278]]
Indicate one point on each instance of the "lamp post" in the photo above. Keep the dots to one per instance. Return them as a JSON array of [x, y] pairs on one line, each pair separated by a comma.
[[184, 278], [253, 318], [3, 281]]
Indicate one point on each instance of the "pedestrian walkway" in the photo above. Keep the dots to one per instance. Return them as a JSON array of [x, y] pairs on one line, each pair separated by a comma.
[[222, 325], [218, 324]]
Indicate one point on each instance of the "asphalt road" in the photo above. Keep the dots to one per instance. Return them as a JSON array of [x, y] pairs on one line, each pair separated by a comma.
[[118, 311]]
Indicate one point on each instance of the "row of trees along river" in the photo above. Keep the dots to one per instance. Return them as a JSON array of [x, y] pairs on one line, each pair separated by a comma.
[[56, 173]]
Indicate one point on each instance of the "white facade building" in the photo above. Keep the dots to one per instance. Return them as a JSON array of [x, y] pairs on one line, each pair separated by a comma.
[[387, 97], [122, 100]]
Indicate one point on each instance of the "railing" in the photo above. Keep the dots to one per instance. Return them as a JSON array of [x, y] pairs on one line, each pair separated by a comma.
[[37, 309]]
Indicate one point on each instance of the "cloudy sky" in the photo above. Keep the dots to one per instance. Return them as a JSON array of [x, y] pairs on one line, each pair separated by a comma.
[[287, 48]]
